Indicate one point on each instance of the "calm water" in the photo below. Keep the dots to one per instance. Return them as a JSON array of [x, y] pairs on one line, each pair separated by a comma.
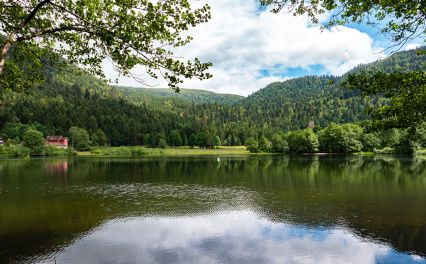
[[201, 210]]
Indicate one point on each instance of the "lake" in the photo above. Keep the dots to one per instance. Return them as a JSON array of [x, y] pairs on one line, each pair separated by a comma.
[[249, 209]]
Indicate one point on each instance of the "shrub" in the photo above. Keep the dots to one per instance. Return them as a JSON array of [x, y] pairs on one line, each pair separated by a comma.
[[34, 140], [99, 138], [279, 144], [252, 145], [97, 151], [420, 134], [53, 151], [370, 141], [216, 141], [391, 137], [14, 151], [385, 150], [138, 151], [162, 143], [406, 146], [264, 144], [303, 141], [120, 151]]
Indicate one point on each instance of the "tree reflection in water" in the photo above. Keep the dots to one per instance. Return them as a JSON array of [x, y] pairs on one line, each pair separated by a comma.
[[243, 209]]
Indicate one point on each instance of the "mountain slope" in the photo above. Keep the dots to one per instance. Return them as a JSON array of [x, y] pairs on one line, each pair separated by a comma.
[[295, 103], [146, 95], [130, 116]]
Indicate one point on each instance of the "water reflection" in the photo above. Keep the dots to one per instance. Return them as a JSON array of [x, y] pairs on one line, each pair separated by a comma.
[[238, 210], [57, 168], [231, 237]]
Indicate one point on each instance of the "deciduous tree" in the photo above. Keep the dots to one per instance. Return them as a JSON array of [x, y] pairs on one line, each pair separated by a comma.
[[34, 140], [175, 139], [341, 138], [252, 145], [85, 32], [405, 90], [79, 138], [303, 141]]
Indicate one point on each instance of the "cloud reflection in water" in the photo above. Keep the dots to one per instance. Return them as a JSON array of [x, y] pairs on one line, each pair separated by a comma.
[[224, 237]]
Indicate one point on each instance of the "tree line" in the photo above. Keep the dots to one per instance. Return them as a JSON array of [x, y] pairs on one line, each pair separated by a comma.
[[345, 138], [110, 117]]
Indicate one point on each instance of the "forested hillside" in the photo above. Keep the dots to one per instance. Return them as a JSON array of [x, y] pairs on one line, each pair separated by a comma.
[[295, 103], [401, 61], [128, 116], [150, 96]]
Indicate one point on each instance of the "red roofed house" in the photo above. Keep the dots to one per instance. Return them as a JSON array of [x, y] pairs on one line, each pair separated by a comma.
[[58, 141]]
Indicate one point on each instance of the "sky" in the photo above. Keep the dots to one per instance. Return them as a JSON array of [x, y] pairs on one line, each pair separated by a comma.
[[252, 47]]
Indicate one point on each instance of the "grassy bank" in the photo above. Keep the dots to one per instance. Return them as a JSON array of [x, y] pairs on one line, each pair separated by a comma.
[[181, 151], [137, 151], [19, 151], [421, 152]]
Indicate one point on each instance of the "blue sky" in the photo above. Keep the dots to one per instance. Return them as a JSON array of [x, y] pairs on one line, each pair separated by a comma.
[[293, 72], [251, 47]]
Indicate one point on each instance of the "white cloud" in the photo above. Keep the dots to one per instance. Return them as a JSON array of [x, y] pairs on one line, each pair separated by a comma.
[[240, 41], [412, 46]]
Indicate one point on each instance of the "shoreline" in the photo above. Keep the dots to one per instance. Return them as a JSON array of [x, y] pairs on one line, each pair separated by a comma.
[[139, 151]]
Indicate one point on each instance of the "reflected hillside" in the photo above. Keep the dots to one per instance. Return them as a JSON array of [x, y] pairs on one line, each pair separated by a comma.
[[49, 203]]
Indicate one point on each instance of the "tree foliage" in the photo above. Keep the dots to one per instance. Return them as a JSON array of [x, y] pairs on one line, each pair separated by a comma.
[[264, 144], [391, 137], [114, 117], [402, 20], [371, 142], [34, 140], [99, 138], [303, 141], [16, 130], [130, 33], [204, 139], [341, 138], [160, 97], [79, 138], [162, 143], [252, 145], [406, 92], [279, 144], [420, 134], [175, 139]]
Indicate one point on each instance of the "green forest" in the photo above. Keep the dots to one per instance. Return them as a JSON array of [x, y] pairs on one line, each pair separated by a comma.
[[302, 115]]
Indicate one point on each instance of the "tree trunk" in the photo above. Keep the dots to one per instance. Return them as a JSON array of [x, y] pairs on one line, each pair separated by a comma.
[[3, 54]]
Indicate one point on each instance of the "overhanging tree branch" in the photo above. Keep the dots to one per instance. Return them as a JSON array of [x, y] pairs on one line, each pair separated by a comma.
[[131, 33], [11, 39], [32, 15], [52, 31]]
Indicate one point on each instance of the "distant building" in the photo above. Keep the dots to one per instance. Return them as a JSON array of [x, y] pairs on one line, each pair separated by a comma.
[[58, 141]]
